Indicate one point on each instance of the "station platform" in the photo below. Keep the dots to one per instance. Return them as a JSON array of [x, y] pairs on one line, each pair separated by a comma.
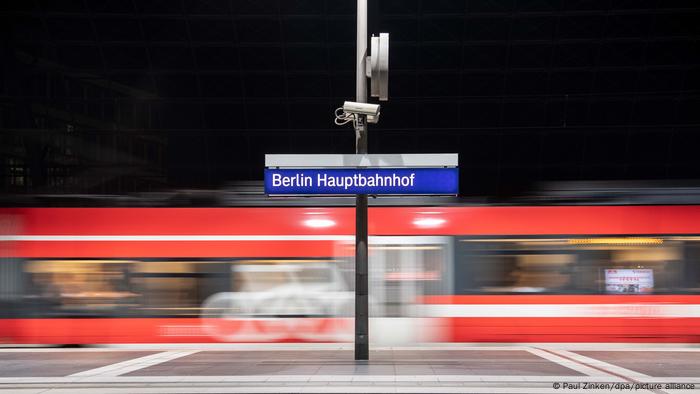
[[321, 368]]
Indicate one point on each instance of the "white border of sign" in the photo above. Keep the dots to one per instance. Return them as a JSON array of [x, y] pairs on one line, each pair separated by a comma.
[[408, 160]]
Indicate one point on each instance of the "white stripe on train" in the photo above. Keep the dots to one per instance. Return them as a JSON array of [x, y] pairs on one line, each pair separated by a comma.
[[64, 238], [641, 310]]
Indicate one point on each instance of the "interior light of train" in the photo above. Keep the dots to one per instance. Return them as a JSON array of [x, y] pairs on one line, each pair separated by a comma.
[[429, 222], [521, 241], [84, 261], [273, 261], [616, 241], [683, 238], [319, 223], [405, 247]]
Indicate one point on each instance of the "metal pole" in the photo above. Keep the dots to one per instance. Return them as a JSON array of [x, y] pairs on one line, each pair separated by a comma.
[[361, 277]]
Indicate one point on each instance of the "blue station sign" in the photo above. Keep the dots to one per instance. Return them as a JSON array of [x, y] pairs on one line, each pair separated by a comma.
[[389, 174], [377, 181]]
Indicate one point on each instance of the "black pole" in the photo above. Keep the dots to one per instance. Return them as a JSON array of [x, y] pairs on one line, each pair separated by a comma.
[[361, 277], [361, 257]]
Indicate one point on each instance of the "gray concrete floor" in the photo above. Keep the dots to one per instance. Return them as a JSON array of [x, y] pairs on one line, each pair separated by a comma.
[[300, 368]]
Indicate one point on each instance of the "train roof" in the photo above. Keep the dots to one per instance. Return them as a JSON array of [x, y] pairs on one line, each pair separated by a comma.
[[250, 194]]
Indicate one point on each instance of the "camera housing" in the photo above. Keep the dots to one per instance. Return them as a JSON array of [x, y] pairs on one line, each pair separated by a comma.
[[350, 110], [368, 109]]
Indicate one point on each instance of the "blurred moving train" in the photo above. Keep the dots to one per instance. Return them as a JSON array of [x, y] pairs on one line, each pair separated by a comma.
[[285, 274]]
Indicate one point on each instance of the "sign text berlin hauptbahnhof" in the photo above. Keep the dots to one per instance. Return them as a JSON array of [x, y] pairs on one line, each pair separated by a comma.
[[408, 174]]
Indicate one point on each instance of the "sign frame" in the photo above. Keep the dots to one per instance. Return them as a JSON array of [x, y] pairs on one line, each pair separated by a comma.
[[402, 160], [440, 167]]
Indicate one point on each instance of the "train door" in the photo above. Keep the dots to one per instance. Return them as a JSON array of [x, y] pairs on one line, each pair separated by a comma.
[[401, 271]]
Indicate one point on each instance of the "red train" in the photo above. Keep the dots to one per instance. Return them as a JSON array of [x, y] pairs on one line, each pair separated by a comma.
[[447, 274]]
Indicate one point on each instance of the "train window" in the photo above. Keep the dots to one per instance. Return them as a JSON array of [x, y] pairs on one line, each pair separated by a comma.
[[163, 288], [250, 280], [11, 282], [691, 266], [643, 269], [80, 286], [541, 272], [315, 275], [269, 275], [167, 287], [178, 288], [575, 265]]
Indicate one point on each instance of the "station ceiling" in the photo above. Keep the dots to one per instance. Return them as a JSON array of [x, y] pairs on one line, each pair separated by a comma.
[[524, 91]]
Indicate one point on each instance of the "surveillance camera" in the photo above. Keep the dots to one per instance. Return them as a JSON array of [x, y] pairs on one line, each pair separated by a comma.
[[351, 109], [371, 110]]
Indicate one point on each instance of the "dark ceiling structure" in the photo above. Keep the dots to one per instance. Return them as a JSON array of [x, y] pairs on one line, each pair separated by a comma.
[[120, 96]]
